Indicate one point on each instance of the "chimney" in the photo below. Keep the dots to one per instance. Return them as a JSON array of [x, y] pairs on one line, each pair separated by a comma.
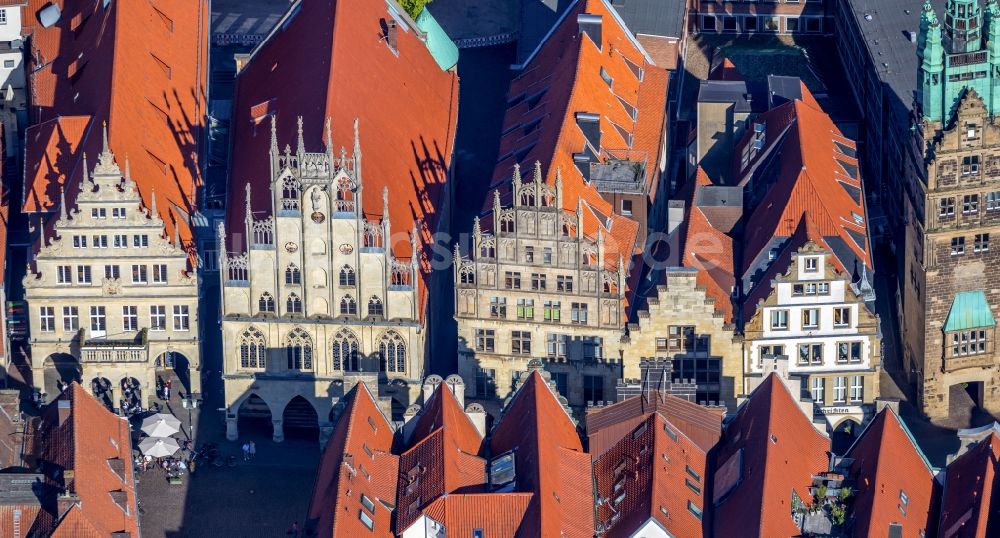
[[408, 422], [477, 414], [457, 387], [64, 408], [590, 25], [430, 384], [391, 35], [64, 502]]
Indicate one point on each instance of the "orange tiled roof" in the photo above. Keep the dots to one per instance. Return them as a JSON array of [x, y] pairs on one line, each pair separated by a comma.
[[442, 458], [969, 504], [653, 464], [89, 440], [888, 464], [550, 462], [357, 461], [710, 251], [139, 66], [405, 104], [496, 514], [812, 178], [780, 449]]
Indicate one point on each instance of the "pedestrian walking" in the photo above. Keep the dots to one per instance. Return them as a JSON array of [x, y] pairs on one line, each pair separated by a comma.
[[253, 450], [246, 451], [166, 390]]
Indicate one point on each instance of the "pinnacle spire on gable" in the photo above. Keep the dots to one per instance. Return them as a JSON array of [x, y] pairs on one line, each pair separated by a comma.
[[300, 147], [106, 164], [62, 203], [274, 134]]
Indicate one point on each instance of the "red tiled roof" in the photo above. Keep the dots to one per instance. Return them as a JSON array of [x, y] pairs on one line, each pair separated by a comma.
[[442, 458], [496, 514], [648, 466], [86, 442], [781, 450], [405, 104], [811, 181], [142, 68], [357, 462], [709, 250], [969, 506], [550, 462], [887, 464]]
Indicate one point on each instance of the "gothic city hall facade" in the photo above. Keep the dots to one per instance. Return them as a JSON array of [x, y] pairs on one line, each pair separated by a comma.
[[316, 301], [949, 291]]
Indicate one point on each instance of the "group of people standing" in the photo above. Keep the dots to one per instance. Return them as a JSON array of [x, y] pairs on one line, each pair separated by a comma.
[[249, 451]]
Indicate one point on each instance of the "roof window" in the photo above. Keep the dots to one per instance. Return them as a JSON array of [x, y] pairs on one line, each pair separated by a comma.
[[608, 79]]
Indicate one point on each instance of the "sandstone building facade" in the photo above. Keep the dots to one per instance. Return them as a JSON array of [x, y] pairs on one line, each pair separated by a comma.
[[112, 299], [536, 285], [948, 301], [317, 295]]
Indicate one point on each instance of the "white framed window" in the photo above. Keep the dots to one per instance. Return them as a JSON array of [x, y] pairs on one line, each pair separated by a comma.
[[79, 241], [64, 274], [812, 264], [140, 241], [83, 274], [779, 320], [839, 389], [842, 316], [857, 388], [100, 241], [817, 388], [160, 273], [47, 318], [3, 16], [118, 212], [157, 318], [140, 274], [112, 272], [810, 318], [120, 241], [98, 213], [71, 318], [182, 319], [810, 354], [98, 320], [130, 318]]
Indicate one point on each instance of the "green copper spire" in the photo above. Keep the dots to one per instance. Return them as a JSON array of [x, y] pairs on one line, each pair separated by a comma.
[[959, 54]]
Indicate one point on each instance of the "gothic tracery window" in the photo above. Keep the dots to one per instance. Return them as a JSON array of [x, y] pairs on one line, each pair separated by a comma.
[[345, 351], [298, 349], [348, 306], [293, 305], [266, 302], [392, 353], [293, 275], [375, 306], [252, 348], [347, 276]]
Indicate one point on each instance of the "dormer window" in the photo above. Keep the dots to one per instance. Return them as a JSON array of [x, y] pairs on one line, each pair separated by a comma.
[[812, 265]]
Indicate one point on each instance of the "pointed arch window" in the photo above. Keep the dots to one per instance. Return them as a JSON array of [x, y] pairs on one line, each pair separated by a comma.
[[345, 351], [375, 306], [252, 349], [293, 305], [347, 276], [348, 306], [290, 193], [266, 302], [293, 276], [298, 349], [392, 353]]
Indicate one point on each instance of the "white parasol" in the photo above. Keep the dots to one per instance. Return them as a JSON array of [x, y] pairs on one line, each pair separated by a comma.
[[161, 425], [159, 447]]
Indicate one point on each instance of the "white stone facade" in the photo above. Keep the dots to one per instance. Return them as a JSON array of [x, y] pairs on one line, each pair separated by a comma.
[[830, 335], [317, 300], [110, 297]]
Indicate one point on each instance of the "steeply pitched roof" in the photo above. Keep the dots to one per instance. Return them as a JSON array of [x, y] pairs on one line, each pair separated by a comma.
[[549, 460], [568, 75], [970, 502], [644, 449], [709, 250], [887, 467], [813, 173], [405, 103], [78, 434], [139, 66], [653, 17], [357, 462], [768, 451], [442, 458]]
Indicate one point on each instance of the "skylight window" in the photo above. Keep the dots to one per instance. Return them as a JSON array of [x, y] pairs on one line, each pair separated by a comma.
[[607, 78]]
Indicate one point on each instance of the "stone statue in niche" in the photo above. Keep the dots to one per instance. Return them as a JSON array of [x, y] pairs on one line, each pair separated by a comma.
[[315, 200]]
